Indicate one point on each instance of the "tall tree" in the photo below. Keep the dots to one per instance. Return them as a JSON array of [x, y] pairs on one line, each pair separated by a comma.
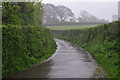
[[22, 13], [87, 17], [64, 13], [50, 14], [57, 14], [11, 13]]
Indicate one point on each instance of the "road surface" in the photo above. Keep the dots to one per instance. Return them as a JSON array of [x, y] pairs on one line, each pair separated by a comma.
[[69, 61]]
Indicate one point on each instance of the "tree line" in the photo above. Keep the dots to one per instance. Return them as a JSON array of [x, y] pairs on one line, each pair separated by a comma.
[[61, 15]]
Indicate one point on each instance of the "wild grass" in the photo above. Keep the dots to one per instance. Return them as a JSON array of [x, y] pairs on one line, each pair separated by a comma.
[[100, 41], [68, 27]]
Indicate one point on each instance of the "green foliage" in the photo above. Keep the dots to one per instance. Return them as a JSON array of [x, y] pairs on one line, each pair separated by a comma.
[[22, 13], [24, 46], [27, 43], [101, 41], [68, 27]]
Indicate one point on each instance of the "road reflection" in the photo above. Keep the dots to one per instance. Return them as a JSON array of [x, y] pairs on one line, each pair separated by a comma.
[[69, 61]]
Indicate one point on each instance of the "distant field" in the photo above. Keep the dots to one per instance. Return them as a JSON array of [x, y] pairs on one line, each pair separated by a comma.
[[69, 27]]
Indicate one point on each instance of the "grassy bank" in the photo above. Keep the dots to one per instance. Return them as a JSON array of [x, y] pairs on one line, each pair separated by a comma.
[[100, 41], [68, 27], [23, 46]]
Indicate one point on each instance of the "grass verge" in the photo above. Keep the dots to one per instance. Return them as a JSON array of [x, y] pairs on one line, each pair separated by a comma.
[[102, 42]]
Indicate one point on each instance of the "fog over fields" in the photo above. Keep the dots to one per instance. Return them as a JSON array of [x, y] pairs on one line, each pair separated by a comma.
[[101, 9]]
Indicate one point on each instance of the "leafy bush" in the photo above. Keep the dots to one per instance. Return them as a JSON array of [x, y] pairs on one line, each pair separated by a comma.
[[22, 13], [101, 41], [24, 46]]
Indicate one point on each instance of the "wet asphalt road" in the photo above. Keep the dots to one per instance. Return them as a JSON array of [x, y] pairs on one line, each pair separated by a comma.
[[69, 61]]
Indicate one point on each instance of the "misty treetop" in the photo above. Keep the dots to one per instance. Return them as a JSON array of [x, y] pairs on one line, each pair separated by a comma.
[[64, 15], [87, 17], [22, 13], [53, 14]]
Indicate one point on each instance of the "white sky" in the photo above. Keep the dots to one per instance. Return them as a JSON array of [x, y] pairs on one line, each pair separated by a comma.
[[103, 9], [50, 1]]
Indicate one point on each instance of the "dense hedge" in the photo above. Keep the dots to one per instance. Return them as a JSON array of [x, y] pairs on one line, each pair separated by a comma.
[[101, 41], [24, 46]]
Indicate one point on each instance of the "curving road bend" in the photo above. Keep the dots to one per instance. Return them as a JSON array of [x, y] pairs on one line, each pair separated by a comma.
[[69, 61]]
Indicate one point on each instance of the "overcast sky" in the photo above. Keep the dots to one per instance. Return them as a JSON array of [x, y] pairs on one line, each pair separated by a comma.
[[103, 9]]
